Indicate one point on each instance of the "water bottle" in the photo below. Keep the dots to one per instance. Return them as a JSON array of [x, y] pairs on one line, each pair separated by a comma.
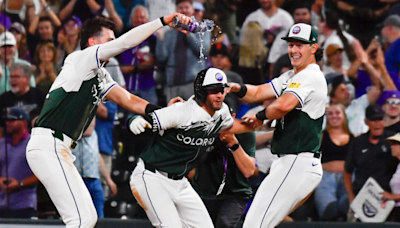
[[194, 26]]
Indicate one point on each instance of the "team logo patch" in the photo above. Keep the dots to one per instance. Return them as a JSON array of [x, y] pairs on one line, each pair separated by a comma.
[[296, 30], [294, 85], [219, 77]]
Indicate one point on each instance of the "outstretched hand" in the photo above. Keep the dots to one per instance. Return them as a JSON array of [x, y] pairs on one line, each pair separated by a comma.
[[183, 18]]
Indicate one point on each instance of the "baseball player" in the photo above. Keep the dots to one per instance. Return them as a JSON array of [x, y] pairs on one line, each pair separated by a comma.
[[299, 110], [182, 132], [69, 107]]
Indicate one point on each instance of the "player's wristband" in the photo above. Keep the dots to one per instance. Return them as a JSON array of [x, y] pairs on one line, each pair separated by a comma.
[[261, 115], [162, 21], [151, 108], [234, 147], [242, 92]]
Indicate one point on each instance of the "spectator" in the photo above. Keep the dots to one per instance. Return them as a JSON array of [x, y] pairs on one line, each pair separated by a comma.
[[19, 32], [331, 198], [180, 53], [301, 14], [219, 59], [369, 155], [372, 70], [138, 63], [391, 107], [252, 54], [394, 181], [87, 163], [222, 178], [8, 49], [22, 95], [331, 33], [124, 9], [334, 60], [317, 8], [114, 69], [368, 13], [198, 11], [72, 26], [46, 68], [20, 11], [17, 182], [355, 109], [225, 12], [157, 10], [391, 34], [41, 29], [270, 15], [105, 116], [81, 9], [111, 14]]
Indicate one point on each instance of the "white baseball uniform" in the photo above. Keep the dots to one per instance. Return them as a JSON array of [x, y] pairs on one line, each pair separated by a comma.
[[185, 132], [68, 110], [296, 141]]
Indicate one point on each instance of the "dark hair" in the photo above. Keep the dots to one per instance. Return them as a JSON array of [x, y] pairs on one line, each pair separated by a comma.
[[46, 18], [94, 28], [47, 44], [319, 54], [177, 2]]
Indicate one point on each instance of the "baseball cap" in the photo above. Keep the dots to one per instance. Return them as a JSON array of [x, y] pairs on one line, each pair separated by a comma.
[[302, 32], [76, 19], [393, 20], [374, 112], [395, 137], [7, 38], [332, 49], [218, 48], [388, 94], [215, 78], [198, 6], [17, 114], [17, 27]]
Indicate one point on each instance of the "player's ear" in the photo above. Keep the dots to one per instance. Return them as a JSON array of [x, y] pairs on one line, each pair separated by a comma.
[[314, 48], [91, 41]]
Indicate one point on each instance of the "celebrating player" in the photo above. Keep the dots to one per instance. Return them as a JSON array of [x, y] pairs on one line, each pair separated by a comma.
[[69, 108], [299, 108], [182, 133]]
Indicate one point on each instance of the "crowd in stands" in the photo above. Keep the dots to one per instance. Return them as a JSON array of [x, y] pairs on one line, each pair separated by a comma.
[[361, 63]]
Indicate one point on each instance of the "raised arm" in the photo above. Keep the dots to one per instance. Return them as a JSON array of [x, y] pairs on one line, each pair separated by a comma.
[[135, 36]]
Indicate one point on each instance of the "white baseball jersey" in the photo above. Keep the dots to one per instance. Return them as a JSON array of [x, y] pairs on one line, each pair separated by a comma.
[[300, 129], [186, 131], [76, 93]]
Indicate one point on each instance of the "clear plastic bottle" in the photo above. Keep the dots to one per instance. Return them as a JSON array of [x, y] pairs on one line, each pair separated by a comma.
[[194, 26]]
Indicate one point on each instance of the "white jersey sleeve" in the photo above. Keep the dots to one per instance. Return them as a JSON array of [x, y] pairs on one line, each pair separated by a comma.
[[226, 116], [106, 84], [170, 117], [85, 60], [278, 84]]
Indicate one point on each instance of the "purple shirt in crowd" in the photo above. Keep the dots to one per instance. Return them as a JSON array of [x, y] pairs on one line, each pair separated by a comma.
[[139, 80], [364, 82], [18, 169]]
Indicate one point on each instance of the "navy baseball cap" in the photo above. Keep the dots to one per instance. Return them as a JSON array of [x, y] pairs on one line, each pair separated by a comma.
[[302, 32], [374, 112], [16, 114]]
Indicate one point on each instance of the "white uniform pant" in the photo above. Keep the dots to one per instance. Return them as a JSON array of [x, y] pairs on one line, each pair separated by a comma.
[[52, 163], [291, 180], [168, 203]]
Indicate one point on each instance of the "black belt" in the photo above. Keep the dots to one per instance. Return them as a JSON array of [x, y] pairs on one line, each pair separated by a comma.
[[60, 136], [170, 176], [316, 155]]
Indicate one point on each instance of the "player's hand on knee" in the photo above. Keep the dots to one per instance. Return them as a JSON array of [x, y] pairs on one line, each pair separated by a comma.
[[138, 124]]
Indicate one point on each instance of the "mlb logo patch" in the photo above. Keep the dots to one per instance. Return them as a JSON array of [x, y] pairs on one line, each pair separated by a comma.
[[219, 77], [296, 30]]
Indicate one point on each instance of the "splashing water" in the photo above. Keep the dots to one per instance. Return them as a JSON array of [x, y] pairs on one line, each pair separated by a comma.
[[206, 26]]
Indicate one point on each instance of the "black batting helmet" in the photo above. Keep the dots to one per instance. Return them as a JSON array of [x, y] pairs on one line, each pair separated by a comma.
[[209, 78]]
